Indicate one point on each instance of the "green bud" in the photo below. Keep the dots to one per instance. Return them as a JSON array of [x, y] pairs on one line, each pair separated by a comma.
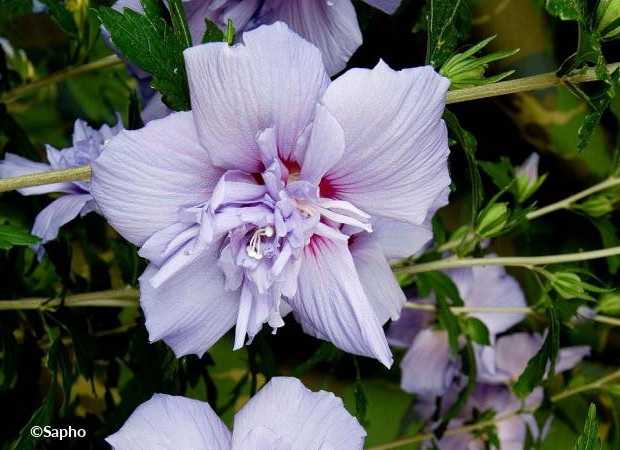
[[608, 19], [597, 205], [609, 304], [466, 70], [492, 220], [568, 285]]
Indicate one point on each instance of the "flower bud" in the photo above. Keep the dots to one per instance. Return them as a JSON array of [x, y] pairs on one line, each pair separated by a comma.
[[492, 220], [609, 304], [597, 205], [608, 19], [528, 180], [568, 285]]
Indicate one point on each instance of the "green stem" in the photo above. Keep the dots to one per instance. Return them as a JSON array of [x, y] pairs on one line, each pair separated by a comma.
[[614, 321], [568, 201], [513, 261], [116, 298], [597, 384], [53, 176], [108, 61], [543, 81]]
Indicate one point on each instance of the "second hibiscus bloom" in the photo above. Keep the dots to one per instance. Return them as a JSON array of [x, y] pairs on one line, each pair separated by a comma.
[[276, 192]]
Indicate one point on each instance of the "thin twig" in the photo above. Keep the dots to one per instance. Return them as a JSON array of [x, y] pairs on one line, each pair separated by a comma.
[[108, 61], [568, 201], [116, 298], [512, 261]]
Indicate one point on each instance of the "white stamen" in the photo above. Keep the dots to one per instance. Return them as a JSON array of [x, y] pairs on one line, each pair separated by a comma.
[[253, 249]]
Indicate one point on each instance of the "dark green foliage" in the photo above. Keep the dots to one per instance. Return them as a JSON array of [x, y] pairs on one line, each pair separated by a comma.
[[589, 439], [154, 42]]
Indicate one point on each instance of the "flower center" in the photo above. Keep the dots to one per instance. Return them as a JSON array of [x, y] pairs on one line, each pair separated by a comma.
[[254, 247]]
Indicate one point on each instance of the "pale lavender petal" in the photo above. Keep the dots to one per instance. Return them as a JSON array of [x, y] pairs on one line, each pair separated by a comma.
[[401, 239], [170, 422], [144, 177], [569, 357], [411, 321], [192, 309], [155, 109], [15, 166], [332, 305], [273, 80], [380, 286], [529, 167], [285, 412], [512, 354], [56, 214], [387, 6], [330, 25], [395, 160], [324, 149], [239, 11], [490, 286], [428, 368]]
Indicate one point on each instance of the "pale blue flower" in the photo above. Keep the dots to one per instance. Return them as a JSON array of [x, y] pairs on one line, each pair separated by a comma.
[[87, 145], [262, 199], [282, 415]]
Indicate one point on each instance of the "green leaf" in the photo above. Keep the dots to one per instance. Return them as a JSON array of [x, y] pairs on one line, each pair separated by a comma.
[[468, 143], [477, 331], [179, 23], [41, 417], [62, 16], [212, 33], [449, 21], [589, 439], [502, 173], [134, 121], [449, 321], [58, 361], [536, 367], [11, 235], [568, 9], [150, 42]]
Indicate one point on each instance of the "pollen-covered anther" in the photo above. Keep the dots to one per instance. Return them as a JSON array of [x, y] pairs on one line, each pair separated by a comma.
[[254, 247]]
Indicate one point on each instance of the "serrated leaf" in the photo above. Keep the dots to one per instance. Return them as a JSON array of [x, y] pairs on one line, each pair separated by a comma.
[[152, 44], [179, 23], [11, 235], [536, 367], [502, 172], [449, 21], [589, 439], [212, 33]]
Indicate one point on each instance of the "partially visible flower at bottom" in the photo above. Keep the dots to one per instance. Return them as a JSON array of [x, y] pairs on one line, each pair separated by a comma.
[[428, 368], [498, 366], [283, 414], [87, 146]]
